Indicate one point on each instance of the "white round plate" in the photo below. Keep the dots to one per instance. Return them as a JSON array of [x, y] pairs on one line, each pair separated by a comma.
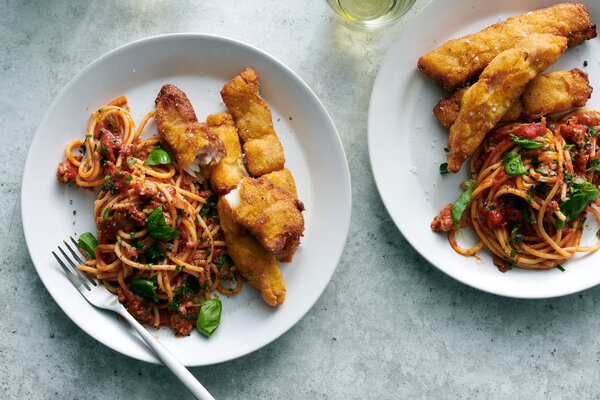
[[200, 65], [406, 146]]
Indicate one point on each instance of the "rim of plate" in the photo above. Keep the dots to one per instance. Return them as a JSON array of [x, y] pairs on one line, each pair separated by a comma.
[[429, 13], [344, 226]]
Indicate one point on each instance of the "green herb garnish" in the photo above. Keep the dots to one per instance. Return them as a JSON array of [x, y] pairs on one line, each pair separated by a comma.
[[209, 317], [462, 202], [526, 143], [158, 156], [158, 227], [444, 169], [88, 242], [144, 288], [580, 195], [595, 165], [153, 254], [513, 164], [210, 203]]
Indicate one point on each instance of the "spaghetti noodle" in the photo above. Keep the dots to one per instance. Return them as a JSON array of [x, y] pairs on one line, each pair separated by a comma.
[[160, 247], [530, 192]]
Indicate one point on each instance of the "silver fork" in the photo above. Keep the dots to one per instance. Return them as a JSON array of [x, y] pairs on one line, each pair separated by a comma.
[[100, 297]]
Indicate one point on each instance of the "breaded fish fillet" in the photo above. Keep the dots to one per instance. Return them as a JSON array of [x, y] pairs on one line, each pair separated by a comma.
[[500, 84], [270, 213], [284, 179], [549, 93], [255, 263], [228, 172], [446, 110], [554, 92], [252, 115], [191, 142], [459, 61]]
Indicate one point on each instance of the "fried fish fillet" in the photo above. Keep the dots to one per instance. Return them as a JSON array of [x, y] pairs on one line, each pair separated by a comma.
[[283, 179], [500, 84], [270, 213], [262, 149], [556, 91], [256, 264], [549, 93], [458, 61], [228, 172], [191, 142]]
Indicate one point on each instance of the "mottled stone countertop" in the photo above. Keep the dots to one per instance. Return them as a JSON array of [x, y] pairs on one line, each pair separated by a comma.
[[389, 325]]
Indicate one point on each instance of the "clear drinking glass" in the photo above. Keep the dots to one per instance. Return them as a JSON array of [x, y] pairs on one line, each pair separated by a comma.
[[369, 14]]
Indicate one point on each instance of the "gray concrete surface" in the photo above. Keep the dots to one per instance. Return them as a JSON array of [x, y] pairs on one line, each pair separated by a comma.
[[389, 324]]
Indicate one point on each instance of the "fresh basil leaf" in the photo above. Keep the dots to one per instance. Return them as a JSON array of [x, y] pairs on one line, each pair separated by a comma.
[[144, 288], [595, 165], [591, 131], [463, 201], [88, 242], [513, 164], [209, 316], [526, 143], [158, 156], [444, 169], [158, 227], [580, 195]]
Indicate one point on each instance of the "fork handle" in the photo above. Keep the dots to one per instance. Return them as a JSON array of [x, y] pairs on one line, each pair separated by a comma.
[[170, 361]]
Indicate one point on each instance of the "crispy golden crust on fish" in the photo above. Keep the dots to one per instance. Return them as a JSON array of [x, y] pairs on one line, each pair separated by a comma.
[[228, 172], [458, 61], [255, 263], [252, 115], [264, 155], [549, 93], [180, 131], [500, 84], [446, 110], [271, 214], [283, 179], [556, 91]]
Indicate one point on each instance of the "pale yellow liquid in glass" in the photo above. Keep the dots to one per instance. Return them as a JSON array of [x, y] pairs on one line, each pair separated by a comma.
[[370, 10]]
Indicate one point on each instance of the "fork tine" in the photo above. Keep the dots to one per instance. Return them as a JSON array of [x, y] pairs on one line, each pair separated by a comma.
[[76, 281], [75, 255], [74, 268], [79, 261]]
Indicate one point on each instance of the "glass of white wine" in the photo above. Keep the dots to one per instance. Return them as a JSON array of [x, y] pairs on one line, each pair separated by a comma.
[[369, 14]]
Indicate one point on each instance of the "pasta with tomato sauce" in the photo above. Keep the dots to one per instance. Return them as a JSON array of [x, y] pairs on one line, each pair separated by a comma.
[[159, 246], [531, 190]]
